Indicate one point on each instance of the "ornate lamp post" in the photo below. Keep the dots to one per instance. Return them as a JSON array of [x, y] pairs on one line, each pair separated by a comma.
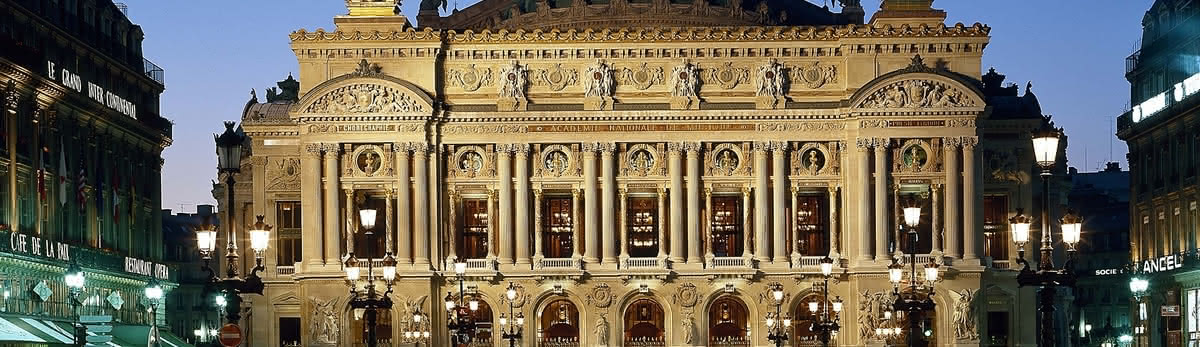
[[74, 279], [1139, 286], [154, 292], [229, 154], [371, 302], [1049, 278], [827, 325], [511, 333], [459, 321], [777, 332], [912, 303]]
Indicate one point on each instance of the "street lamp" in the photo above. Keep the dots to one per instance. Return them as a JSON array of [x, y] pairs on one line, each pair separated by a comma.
[[911, 302], [1049, 278], [827, 325], [511, 333], [778, 323], [75, 281], [459, 321], [229, 156], [370, 302], [1138, 286], [154, 292]]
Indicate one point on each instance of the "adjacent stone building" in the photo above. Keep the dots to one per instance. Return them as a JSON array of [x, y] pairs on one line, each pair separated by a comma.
[[641, 170]]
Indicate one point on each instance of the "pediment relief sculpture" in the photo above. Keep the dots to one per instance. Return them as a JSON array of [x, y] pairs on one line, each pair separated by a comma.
[[815, 75], [513, 78], [470, 78], [728, 76], [685, 80], [917, 93], [641, 77], [361, 98], [324, 324], [557, 77]]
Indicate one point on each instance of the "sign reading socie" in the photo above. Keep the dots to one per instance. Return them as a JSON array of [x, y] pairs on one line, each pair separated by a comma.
[[94, 91], [146, 268], [39, 247], [1109, 272]]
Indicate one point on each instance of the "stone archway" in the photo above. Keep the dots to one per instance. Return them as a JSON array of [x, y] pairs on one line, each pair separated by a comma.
[[644, 323], [728, 321], [559, 322]]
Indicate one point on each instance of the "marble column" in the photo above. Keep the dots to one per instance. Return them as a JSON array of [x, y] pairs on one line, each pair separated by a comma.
[[882, 222], [624, 240], [504, 180], [576, 225], [834, 233], [662, 231], [864, 198], [537, 225], [421, 224], [522, 221], [607, 198], [310, 198], [708, 220], [952, 227], [591, 214], [693, 201], [404, 231], [971, 201], [452, 226], [795, 202], [351, 222], [779, 190], [332, 231], [494, 233], [388, 225], [676, 224], [762, 198], [746, 222], [936, 193]]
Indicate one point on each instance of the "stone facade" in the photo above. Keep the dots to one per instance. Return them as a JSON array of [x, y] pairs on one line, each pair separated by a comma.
[[535, 156]]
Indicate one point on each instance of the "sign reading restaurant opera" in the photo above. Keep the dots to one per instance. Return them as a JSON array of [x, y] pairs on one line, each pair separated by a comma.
[[75, 82], [146, 268]]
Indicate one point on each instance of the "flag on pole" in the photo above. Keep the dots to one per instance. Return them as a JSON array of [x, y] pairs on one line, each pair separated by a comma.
[[62, 174], [41, 179], [116, 185], [81, 185], [99, 189]]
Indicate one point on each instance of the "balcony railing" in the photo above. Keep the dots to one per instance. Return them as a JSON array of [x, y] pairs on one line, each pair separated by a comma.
[[560, 342], [728, 262], [729, 342], [559, 263], [642, 263], [152, 70], [1131, 62], [285, 270], [476, 265], [645, 342]]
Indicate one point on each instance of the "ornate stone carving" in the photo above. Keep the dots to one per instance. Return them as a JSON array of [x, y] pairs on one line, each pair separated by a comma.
[[11, 96], [872, 123], [917, 93], [869, 305], [518, 301], [686, 296], [368, 161], [1001, 166], [470, 78], [960, 123], [727, 159], [685, 80], [915, 156], [601, 330], [816, 158], [283, 174], [324, 324], [513, 81], [486, 129], [641, 77], [555, 161], [726, 75], [766, 298], [964, 315], [770, 79], [366, 69], [815, 75], [601, 296], [642, 160], [557, 77], [471, 161], [688, 328], [969, 142], [364, 98], [599, 80]]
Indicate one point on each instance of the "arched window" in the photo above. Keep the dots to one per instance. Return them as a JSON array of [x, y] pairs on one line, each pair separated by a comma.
[[559, 322], [358, 326], [483, 324], [644, 322], [803, 319], [727, 321]]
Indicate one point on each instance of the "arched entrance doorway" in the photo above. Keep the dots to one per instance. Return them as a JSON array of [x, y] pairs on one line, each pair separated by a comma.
[[803, 319], [483, 324], [559, 324], [728, 323], [644, 322], [358, 326], [927, 321]]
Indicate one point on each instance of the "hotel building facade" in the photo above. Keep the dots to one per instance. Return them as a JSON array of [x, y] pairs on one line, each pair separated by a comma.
[[640, 170]]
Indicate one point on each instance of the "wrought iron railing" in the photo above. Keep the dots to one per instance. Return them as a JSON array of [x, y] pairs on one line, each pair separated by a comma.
[[152, 70]]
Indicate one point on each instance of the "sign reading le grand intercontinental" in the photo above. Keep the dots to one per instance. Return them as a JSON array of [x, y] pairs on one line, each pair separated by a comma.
[[638, 173]]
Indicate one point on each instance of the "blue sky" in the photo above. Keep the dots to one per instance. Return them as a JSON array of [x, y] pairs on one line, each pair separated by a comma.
[[215, 51]]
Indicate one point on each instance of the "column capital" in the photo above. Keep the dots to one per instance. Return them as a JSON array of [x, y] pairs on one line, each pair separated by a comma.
[[400, 147], [969, 142], [690, 147], [662, 191], [746, 190], [453, 194], [575, 193], [419, 148], [312, 149], [674, 147], [11, 97], [881, 144], [763, 146], [833, 189], [331, 150], [537, 193], [951, 143], [864, 143], [589, 147], [493, 194], [779, 147], [522, 149], [606, 148], [936, 187], [504, 148], [708, 192], [622, 192]]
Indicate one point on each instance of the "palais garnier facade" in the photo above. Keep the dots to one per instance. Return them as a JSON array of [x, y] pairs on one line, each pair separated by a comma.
[[640, 172]]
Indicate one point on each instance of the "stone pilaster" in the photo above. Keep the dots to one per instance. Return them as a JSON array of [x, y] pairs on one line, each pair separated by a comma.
[[504, 179], [863, 173], [972, 199], [421, 225], [310, 199], [332, 231], [404, 205], [779, 191]]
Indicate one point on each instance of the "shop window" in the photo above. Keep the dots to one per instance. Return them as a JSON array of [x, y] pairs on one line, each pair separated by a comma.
[[473, 237], [812, 231], [558, 233], [727, 234], [643, 227], [995, 226], [288, 216]]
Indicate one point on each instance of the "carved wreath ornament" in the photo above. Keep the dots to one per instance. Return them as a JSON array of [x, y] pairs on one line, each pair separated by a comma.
[[601, 296], [917, 94]]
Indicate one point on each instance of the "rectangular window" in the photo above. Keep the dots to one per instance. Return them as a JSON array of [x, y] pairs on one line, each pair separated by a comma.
[[369, 246], [812, 231], [727, 237], [997, 329], [995, 226], [473, 238], [288, 217], [643, 227], [558, 229]]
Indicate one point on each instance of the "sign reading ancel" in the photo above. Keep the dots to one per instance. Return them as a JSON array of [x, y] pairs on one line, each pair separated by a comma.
[[1161, 264]]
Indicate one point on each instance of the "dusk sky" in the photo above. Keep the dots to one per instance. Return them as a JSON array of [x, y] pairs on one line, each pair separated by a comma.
[[215, 51]]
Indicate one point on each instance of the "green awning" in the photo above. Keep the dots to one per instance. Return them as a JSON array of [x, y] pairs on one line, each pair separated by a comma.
[[23, 329], [139, 335]]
